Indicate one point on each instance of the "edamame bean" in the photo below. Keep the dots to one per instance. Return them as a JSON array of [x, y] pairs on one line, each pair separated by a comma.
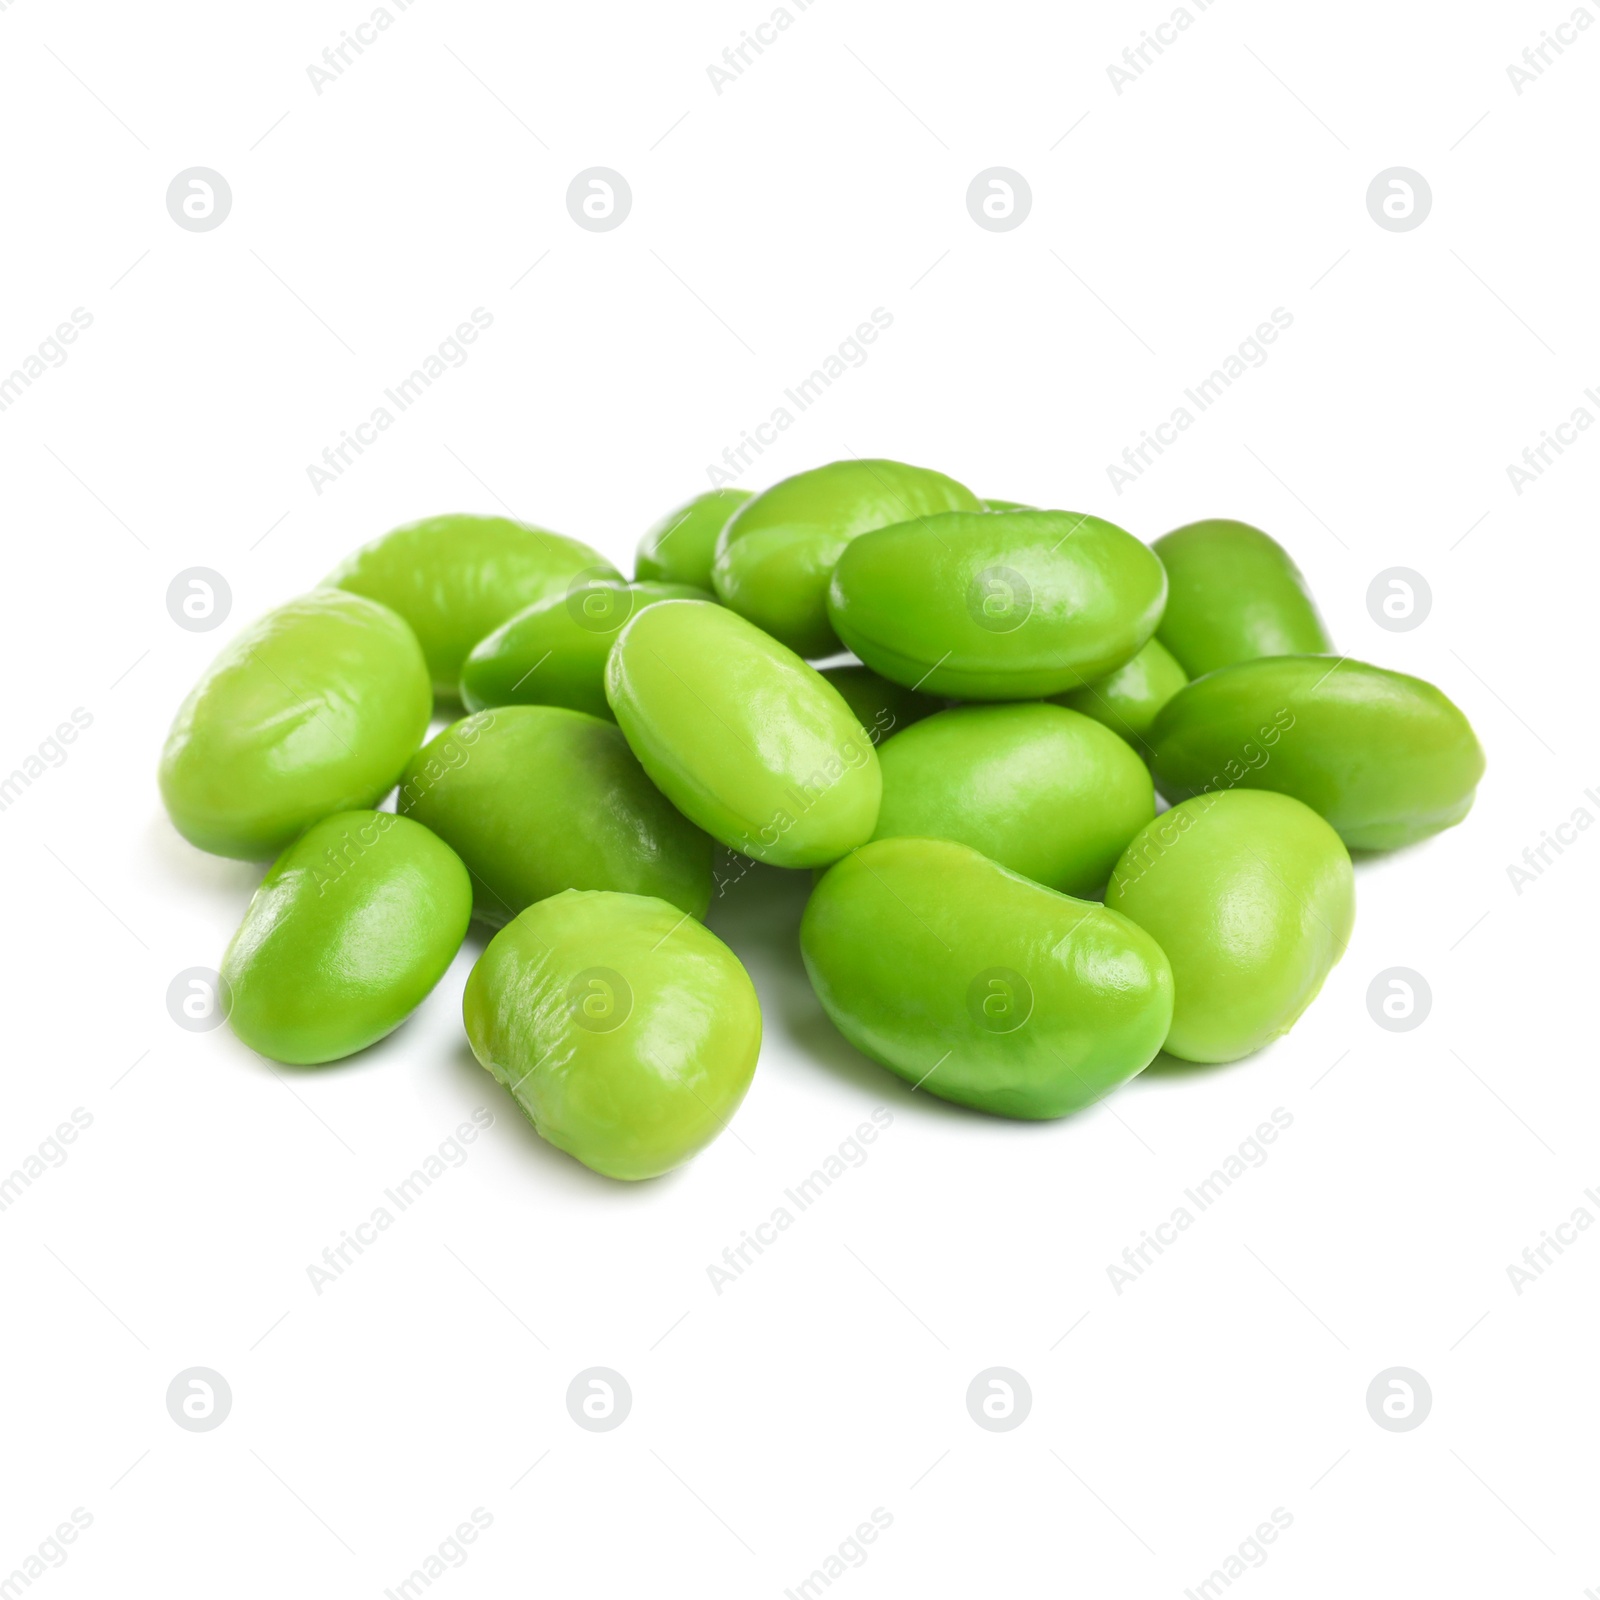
[[742, 736], [1385, 758], [626, 1033], [457, 578], [1233, 594], [553, 653], [978, 985], [679, 548], [1252, 897], [986, 607], [1127, 701], [537, 799], [881, 707], [351, 928], [1038, 788], [774, 556], [313, 709]]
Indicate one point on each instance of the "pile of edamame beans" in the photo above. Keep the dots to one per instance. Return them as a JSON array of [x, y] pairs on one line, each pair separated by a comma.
[[999, 915]]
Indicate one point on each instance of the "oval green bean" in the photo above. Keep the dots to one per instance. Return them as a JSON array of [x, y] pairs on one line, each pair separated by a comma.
[[538, 799], [980, 986], [1252, 897], [982, 606], [351, 928], [553, 653], [1233, 594], [457, 578], [1386, 758], [680, 547], [742, 736], [1040, 789], [776, 553], [313, 709]]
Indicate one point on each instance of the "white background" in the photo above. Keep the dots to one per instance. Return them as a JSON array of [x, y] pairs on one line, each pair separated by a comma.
[[767, 221]]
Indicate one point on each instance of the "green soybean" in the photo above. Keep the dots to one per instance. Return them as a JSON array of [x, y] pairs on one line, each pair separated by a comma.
[[986, 607], [1387, 759], [1233, 594], [538, 799], [457, 578], [626, 1032], [350, 930], [776, 553], [881, 707], [980, 986], [742, 736], [553, 653], [313, 709], [1252, 897], [680, 547], [1128, 700], [1042, 790]]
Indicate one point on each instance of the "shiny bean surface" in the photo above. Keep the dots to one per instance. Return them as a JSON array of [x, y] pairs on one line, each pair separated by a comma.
[[980, 986], [626, 1032]]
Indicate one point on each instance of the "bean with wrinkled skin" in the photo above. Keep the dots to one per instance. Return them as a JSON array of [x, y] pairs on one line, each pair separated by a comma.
[[313, 709], [1233, 594], [742, 736], [680, 547], [980, 986], [1014, 606], [1386, 758], [553, 653], [538, 799], [776, 553], [350, 930], [1042, 790], [457, 578], [626, 1032], [1252, 896]]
